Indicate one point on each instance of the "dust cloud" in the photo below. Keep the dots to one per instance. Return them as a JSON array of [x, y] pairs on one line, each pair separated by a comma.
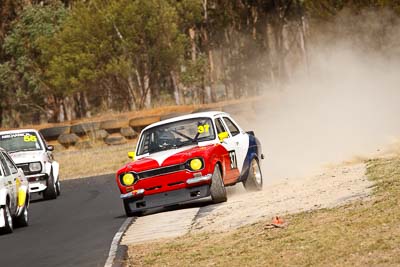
[[346, 104]]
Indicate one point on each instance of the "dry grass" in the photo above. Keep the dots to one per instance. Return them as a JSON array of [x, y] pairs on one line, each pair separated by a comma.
[[92, 161], [363, 233]]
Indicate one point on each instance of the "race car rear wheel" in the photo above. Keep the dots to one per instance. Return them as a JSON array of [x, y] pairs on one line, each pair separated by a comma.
[[23, 219], [8, 227], [217, 189], [254, 181], [51, 191], [128, 210]]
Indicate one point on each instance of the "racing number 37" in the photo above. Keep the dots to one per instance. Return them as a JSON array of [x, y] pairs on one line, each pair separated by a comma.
[[232, 156]]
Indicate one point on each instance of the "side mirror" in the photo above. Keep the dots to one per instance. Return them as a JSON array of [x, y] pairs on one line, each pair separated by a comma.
[[131, 155], [223, 136], [50, 148]]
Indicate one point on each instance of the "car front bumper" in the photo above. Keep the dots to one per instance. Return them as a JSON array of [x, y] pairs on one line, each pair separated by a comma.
[[37, 182], [168, 198]]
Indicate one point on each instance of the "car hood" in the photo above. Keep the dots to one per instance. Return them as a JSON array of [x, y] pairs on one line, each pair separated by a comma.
[[166, 158], [26, 156]]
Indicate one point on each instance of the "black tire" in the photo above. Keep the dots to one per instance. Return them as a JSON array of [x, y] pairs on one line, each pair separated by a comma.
[[58, 187], [217, 188], [9, 227], [68, 140], [23, 219], [128, 211], [113, 126], [52, 133], [172, 115], [51, 191], [84, 128], [115, 140], [254, 180]]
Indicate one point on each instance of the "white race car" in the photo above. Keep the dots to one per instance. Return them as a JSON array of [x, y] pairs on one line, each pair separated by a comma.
[[14, 195], [31, 153]]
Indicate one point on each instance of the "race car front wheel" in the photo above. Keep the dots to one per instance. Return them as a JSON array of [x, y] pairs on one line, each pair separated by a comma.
[[254, 181], [8, 227], [51, 191], [58, 187], [217, 189], [128, 210]]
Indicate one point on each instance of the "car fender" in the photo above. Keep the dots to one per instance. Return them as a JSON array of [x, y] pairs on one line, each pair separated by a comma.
[[56, 170], [53, 167], [3, 197], [253, 152], [23, 198]]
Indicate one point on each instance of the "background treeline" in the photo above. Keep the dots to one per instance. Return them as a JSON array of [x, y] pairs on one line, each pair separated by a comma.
[[62, 60]]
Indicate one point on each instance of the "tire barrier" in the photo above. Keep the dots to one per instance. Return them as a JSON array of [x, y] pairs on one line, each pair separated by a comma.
[[139, 123], [68, 140], [113, 126], [85, 128], [111, 132], [128, 133], [172, 115], [115, 140], [52, 133]]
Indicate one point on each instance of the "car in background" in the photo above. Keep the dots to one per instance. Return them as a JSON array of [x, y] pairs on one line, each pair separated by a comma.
[[14, 195], [189, 157], [30, 152]]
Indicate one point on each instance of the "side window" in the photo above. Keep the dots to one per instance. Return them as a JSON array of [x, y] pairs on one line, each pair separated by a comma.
[[4, 166], [231, 126], [219, 125], [10, 164]]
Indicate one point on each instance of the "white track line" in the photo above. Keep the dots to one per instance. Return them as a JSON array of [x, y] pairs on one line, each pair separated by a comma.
[[115, 242]]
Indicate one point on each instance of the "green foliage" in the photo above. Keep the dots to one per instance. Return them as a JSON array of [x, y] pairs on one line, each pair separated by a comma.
[[22, 71]]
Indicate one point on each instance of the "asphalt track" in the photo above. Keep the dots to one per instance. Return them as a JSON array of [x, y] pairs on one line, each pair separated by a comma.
[[76, 229]]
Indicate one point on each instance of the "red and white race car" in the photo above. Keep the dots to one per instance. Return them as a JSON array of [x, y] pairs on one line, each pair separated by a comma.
[[189, 157]]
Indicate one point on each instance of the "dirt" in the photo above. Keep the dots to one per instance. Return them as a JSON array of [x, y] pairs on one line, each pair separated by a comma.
[[335, 186]]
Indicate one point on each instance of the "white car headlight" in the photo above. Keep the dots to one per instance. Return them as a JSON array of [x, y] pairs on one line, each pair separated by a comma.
[[35, 167]]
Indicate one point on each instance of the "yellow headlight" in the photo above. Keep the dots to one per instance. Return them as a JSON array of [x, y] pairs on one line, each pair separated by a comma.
[[196, 164], [128, 179]]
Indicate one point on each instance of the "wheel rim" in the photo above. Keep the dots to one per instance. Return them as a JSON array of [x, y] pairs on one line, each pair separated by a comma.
[[257, 172]]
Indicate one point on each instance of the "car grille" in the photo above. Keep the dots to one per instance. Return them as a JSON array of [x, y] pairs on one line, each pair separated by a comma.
[[25, 169], [161, 171]]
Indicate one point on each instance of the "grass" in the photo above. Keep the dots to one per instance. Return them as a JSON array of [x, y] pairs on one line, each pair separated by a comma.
[[362, 233], [92, 161]]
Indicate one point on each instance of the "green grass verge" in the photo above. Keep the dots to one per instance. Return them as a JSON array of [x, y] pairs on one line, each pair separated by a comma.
[[358, 234]]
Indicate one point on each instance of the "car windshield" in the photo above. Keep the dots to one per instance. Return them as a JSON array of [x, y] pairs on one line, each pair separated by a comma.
[[176, 134], [14, 142]]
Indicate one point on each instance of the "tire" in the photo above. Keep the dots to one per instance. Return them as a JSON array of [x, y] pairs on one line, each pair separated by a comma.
[[58, 187], [68, 140], [84, 128], [254, 181], [113, 126], [115, 139], [172, 115], [9, 227], [128, 211], [52, 133], [217, 188], [51, 191], [23, 219]]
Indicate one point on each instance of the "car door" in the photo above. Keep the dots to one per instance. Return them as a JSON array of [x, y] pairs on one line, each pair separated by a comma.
[[9, 181], [238, 141], [229, 159]]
